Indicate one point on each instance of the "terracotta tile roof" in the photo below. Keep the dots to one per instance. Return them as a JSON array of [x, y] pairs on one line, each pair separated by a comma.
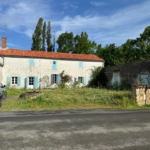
[[51, 55]]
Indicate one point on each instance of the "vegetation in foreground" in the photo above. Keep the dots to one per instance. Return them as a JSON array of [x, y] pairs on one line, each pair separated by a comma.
[[76, 98]]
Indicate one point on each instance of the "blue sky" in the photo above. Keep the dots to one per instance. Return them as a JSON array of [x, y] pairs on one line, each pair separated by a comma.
[[105, 21]]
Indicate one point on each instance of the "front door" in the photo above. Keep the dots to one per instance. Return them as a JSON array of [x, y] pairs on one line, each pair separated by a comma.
[[31, 83]]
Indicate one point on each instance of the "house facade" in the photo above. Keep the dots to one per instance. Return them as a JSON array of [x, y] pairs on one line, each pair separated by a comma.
[[129, 73], [38, 69]]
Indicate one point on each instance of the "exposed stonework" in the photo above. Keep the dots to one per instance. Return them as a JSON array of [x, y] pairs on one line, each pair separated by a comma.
[[44, 82], [141, 95]]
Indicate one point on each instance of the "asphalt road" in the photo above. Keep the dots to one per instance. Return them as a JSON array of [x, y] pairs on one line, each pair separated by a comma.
[[75, 130]]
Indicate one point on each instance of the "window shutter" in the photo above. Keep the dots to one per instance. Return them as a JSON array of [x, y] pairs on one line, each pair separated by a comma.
[[76, 78], [31, 62], [54, 67], [27, 82], [80, 64], [85, 81], [36, 82], [52, 78], [8, 81], [19, 81], [144, 79], [58, 79]]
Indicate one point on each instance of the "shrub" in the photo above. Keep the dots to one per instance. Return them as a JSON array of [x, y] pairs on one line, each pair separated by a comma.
[[98, 78], [64, 79]]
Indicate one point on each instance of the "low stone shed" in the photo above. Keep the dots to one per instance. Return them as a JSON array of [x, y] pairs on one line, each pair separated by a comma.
[[128, 73]]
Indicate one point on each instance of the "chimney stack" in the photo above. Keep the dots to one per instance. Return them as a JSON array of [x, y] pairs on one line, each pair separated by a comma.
[[3, 43]]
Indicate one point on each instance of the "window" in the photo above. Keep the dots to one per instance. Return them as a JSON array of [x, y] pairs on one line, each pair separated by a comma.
[[54, 65], [80, 79], [14, 80], [55, 78], [31, 62], [80, 64], [144, 80], [31, 80]]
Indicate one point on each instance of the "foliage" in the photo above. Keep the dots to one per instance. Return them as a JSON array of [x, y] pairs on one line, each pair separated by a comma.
[[83, 45], [80, 44], [65, 42], [64, 79], [98, 78], [36, 37], [48, 37], [40, 36]]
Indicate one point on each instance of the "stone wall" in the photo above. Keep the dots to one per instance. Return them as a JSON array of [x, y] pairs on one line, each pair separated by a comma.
[[128, 72], [141, 95]]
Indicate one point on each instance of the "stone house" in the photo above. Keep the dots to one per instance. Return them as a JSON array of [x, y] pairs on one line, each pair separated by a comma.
[[38, 69], [129, 73]]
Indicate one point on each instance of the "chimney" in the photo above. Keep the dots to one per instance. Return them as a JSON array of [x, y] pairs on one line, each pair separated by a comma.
[[3, 43]]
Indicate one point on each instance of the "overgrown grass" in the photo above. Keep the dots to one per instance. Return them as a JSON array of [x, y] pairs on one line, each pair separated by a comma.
[[76, 98]]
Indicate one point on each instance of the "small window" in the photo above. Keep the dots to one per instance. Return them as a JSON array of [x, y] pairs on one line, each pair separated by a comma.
[[31, 80], [80, 64], [144, 79], [80, 79], [54, 67], [14, 80], [31, 63]]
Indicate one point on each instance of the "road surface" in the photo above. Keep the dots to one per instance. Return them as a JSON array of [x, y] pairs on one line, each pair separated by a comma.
[[75, 130]]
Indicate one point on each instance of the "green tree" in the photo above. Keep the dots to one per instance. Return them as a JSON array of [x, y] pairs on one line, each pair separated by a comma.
[[111, 54], [146, 35], [48, 37], [83, 45], [43, 36], [65, 42], [36, 37]]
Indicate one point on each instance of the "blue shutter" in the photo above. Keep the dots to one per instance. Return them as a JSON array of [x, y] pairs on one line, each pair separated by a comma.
[[36, 82], [144, 79], [8, 81], [84, 80], [31, 62], [116, 78], [52, 77], [80, 64], [76, 78], [27, 82], [19, 81], [54, 67], [58, 79]]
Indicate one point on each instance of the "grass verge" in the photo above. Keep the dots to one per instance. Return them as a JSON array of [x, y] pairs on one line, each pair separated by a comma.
[[76, 98]]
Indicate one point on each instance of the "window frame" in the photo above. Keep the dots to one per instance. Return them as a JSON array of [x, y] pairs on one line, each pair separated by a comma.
[[80, 79], [31, 81], [14, 80], [55, 78]]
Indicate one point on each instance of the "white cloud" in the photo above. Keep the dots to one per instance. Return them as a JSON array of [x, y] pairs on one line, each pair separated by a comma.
[[70, 5], [123, 24], [96, 3], [22, 15]]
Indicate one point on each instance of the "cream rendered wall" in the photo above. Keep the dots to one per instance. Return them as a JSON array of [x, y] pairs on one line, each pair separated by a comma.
[[43, 67], [1, 74]]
